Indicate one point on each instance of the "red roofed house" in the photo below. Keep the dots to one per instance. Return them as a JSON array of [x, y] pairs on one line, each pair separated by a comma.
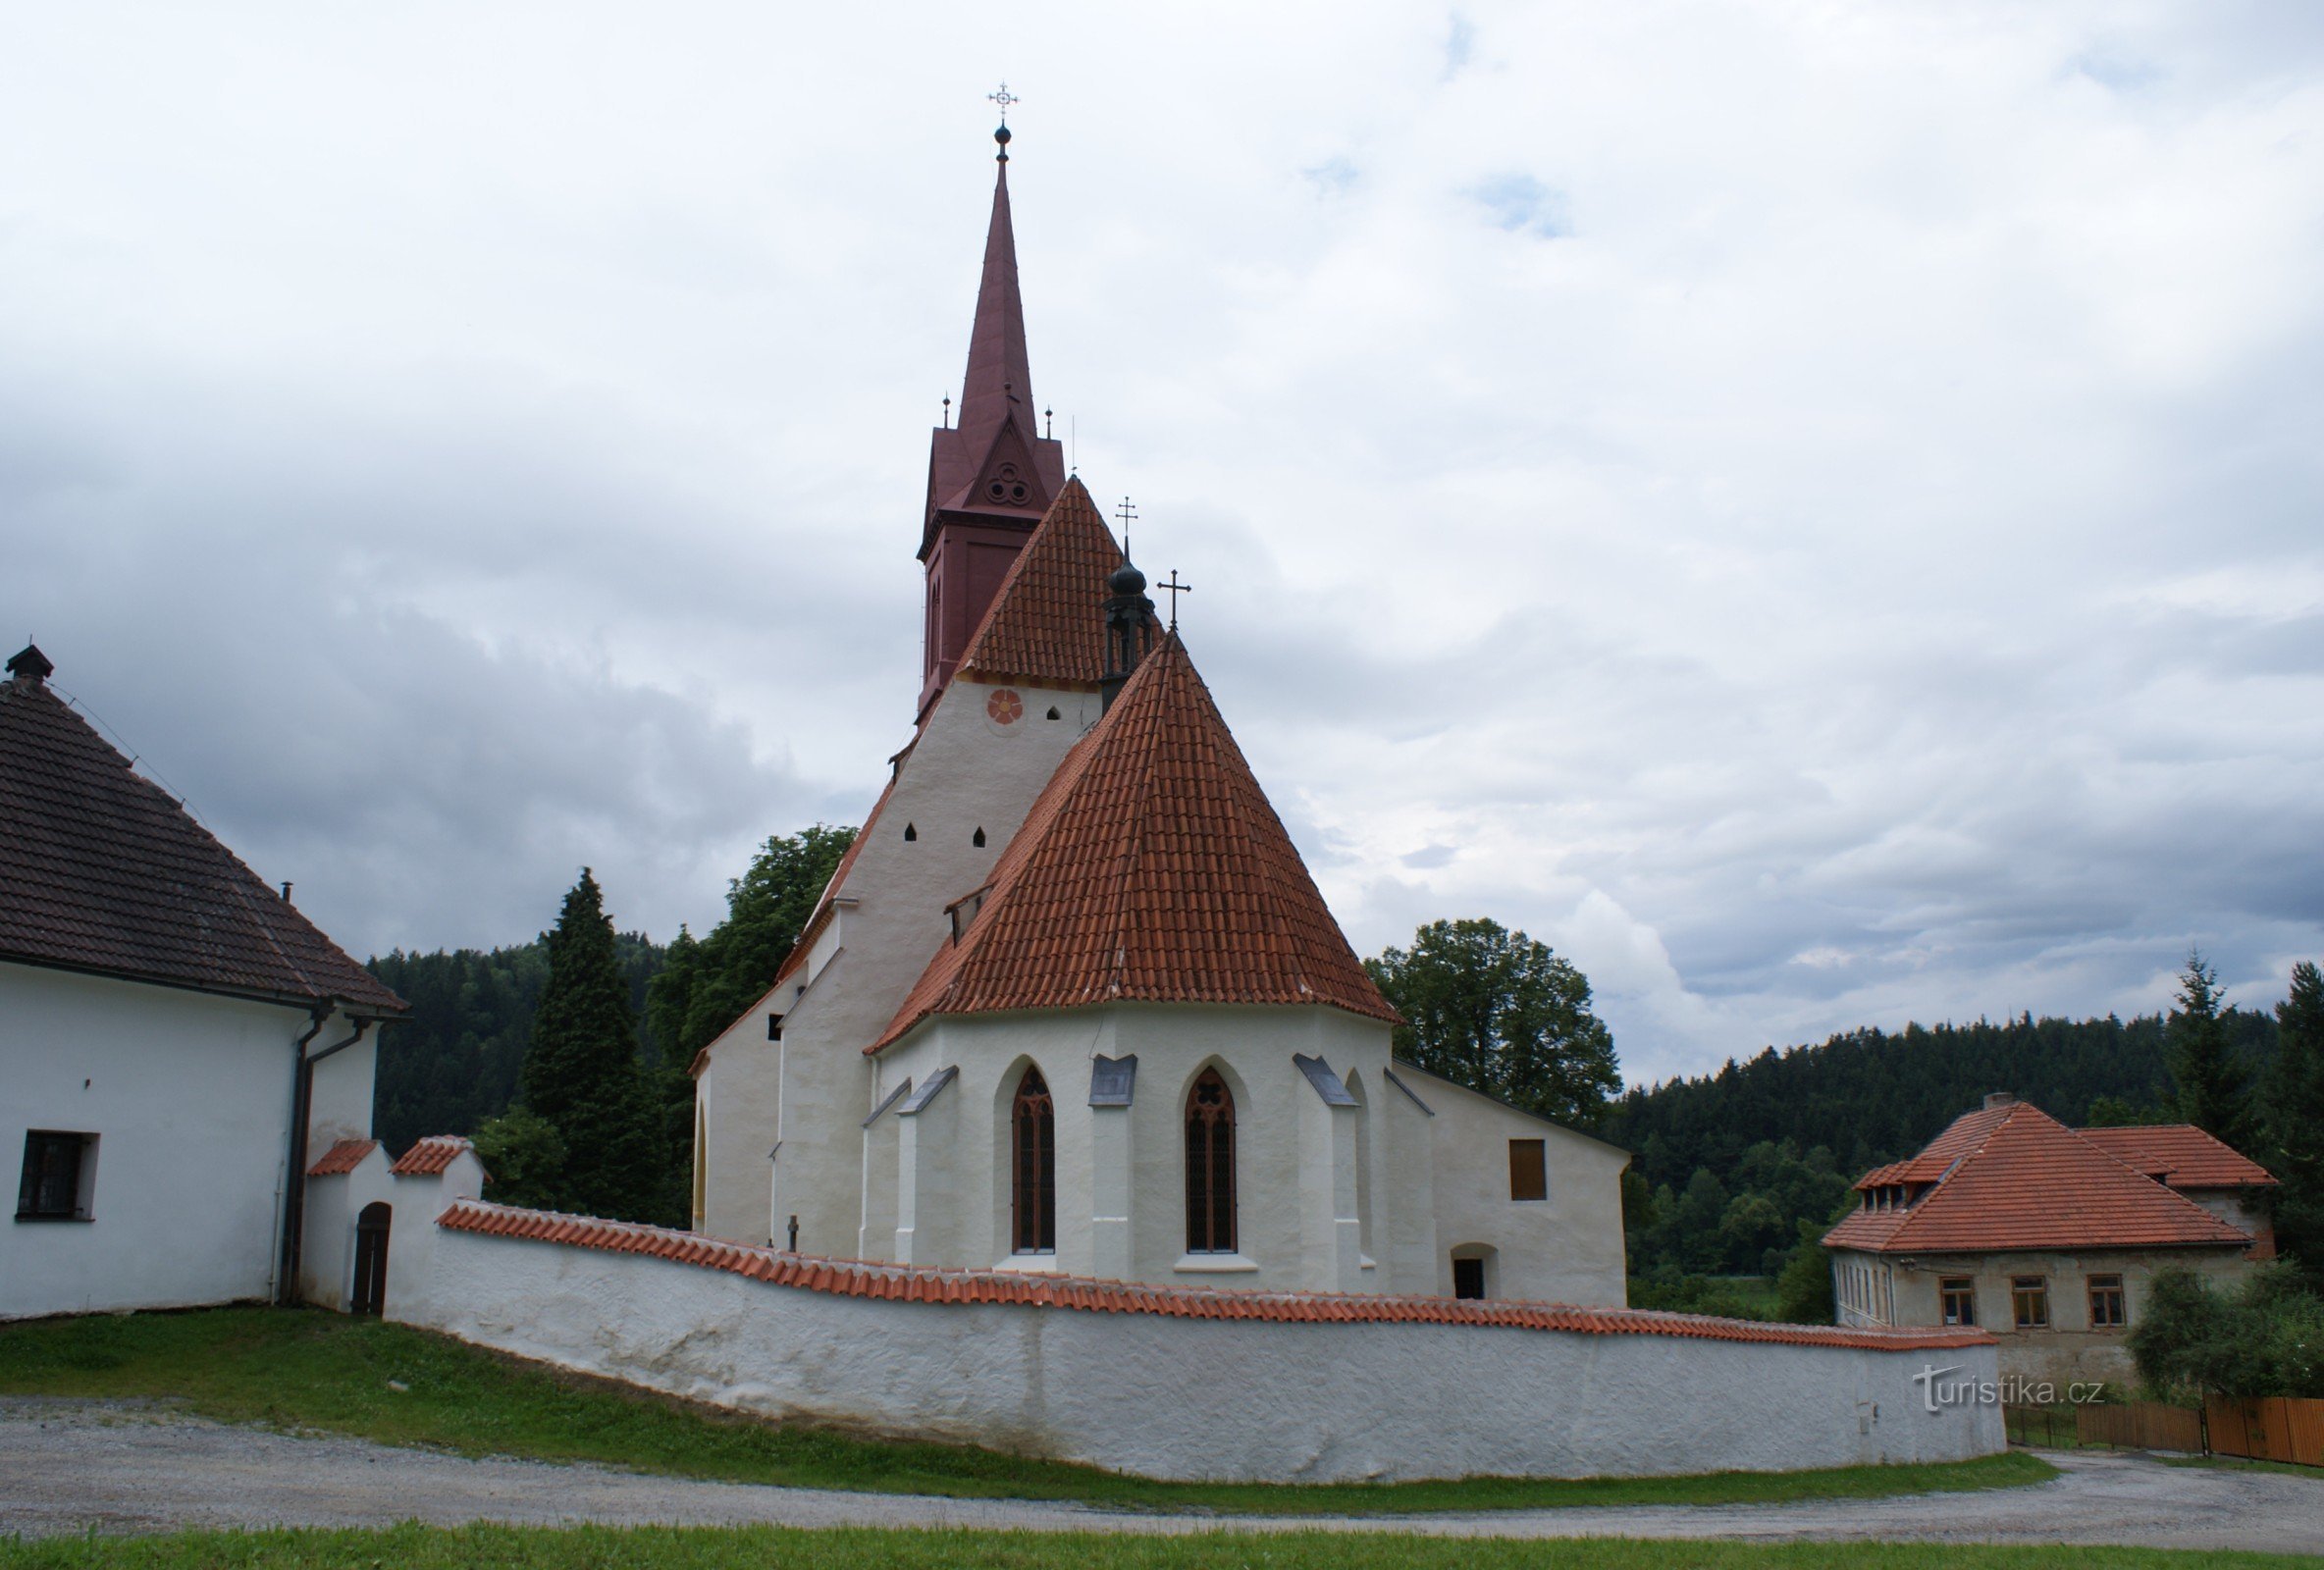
[[2045, 1235], [182, 1052], [1072, 1002]]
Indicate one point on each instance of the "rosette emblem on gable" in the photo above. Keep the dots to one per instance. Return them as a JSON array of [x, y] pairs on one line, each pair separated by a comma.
[[1004, 710]]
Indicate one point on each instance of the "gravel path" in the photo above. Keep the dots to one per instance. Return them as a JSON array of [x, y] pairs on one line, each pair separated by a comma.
[[70, 1466]]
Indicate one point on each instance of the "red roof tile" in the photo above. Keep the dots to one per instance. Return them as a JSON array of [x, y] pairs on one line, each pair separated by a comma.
[[105, 872], [2181, 1155], [1046, 623], [341, 1158], [429, 1156], [1152, 868], [922, 1284], [2014, 1178]]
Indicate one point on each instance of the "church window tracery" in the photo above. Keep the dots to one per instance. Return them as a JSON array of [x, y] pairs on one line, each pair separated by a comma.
[[1007, 487], [1210, 1166], [1033, 1167]]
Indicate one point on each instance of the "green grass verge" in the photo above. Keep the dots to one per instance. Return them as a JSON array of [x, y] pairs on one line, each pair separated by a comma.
[[778, 1547], [400, 1386]]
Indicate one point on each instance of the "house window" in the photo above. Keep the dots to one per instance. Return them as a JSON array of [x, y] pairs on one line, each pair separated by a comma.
[[1529, 1169], [2028, 1302], [1957, 1296], [2107, 1303], [1033, 1167], [1210, 1166], [1468, 1278], [57, 1170]]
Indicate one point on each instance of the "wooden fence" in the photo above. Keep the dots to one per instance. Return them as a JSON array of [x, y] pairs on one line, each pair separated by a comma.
[[2140, 1426], [2275, 1429]]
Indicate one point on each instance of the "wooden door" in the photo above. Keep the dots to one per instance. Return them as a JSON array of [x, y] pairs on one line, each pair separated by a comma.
[[371, 1258]]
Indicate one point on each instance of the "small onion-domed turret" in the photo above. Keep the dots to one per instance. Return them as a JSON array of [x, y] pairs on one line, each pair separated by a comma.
[[1126, 580]]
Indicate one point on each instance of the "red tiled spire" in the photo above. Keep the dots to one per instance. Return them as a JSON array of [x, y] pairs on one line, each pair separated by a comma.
[[1151, 868]]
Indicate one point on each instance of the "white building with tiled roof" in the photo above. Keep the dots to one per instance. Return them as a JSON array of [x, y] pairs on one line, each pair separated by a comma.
[[1072, 1003], [2044, 1235], [186, 1060]]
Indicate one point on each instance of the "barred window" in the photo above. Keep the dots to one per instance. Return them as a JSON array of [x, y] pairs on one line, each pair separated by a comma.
[[54, 1177]]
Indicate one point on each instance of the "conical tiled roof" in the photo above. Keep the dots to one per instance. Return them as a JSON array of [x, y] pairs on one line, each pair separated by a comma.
[[1151, 868], [104, 873], [1046, 621], [2012, 1177]]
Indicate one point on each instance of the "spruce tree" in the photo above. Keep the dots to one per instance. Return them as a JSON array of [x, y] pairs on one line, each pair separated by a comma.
[[2203, 1065], [582, 1074], [2295, 1146]]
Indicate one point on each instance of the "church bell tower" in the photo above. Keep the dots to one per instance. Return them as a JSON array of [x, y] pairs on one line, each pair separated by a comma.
[[991, 474]]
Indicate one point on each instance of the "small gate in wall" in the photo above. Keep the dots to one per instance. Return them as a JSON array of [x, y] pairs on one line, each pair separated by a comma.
[[371, 1258]]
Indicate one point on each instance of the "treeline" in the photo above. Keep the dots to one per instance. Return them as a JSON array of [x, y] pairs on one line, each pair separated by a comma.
[[453, 1061], [588, 1105]]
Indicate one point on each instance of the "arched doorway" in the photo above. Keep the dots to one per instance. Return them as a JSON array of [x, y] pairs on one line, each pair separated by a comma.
[[371, 1258]]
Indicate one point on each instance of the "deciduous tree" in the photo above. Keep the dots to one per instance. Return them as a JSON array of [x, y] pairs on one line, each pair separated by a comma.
[[1499, 1012]]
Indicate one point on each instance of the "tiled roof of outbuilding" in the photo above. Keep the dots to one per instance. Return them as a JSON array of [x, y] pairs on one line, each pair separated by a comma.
[[1153, 868], [1046, 621], [343, 1158], [922, 1284], [430, 1155], [2181, 1155], [102, 872], [2014, 1178]]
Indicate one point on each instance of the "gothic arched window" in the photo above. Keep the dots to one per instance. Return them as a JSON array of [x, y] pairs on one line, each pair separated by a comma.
[[1210, 1166], [1033, 1167]]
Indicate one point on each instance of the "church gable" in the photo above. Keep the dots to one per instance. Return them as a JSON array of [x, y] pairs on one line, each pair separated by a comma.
[[1007, 481], [1043, 625], [1152, 869]]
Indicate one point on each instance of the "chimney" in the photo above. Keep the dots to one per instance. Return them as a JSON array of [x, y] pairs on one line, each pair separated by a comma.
[[1999, 1098], [30, 666]]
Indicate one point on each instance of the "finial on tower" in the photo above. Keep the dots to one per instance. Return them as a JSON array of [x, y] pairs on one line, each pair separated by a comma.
[[1004, 98]]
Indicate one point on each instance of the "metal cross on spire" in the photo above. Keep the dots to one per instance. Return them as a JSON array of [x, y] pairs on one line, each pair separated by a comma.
[[1129, 516], [1174, 588], [1004, 98]]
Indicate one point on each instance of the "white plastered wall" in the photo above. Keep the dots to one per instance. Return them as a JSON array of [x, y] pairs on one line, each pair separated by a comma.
[[1277, 1402], [188, 1094], [334, 1204], [1434, 1182], [812, 1089], [1566, 1248]]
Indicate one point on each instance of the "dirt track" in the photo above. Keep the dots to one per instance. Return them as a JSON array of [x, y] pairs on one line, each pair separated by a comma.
[[70, 1466]]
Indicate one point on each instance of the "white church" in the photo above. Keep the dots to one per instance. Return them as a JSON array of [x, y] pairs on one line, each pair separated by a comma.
[[1072, 1003]]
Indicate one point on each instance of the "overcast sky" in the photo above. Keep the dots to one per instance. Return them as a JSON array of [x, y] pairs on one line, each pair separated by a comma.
[[1813, 510]]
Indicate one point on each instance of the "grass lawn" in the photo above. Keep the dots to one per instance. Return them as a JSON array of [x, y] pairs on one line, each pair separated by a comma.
[[298, 1368], [777, 1548]]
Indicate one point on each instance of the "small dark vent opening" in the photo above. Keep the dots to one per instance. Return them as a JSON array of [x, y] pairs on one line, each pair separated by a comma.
[[909, 833], [977, 839], [1054, 715]]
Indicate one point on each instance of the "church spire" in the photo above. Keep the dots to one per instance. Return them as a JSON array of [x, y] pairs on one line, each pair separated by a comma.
[[999, 379], [993, 474]]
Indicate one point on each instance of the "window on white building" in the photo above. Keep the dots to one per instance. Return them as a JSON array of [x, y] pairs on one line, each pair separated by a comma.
[[60, 1169]]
